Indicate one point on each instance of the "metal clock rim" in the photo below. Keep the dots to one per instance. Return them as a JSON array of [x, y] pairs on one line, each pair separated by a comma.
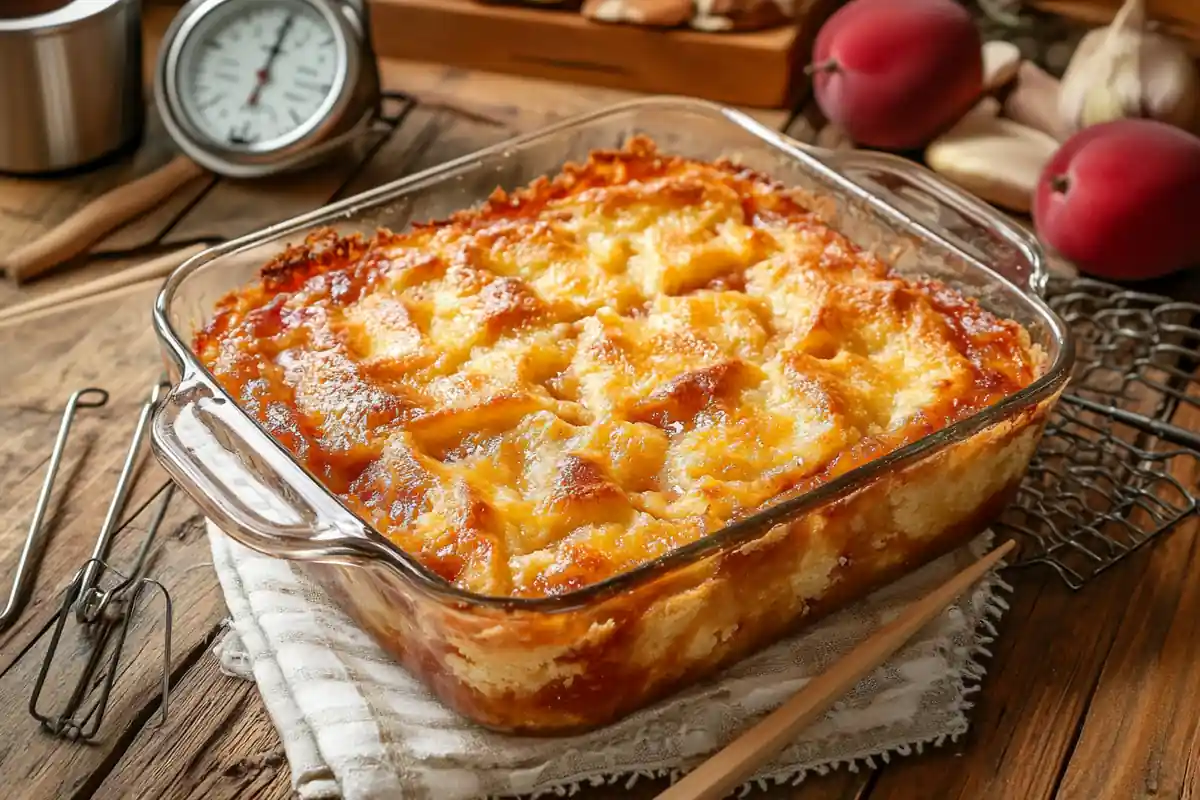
[[247, 163]]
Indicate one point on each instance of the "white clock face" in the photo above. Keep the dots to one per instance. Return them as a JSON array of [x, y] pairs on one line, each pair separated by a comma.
[[260, 75]]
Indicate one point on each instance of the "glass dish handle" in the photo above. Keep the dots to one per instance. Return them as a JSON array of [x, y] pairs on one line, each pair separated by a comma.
[[946, 213], [246, 484]]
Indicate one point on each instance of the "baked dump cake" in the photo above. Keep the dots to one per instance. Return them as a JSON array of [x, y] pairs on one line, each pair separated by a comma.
[[580, 376]]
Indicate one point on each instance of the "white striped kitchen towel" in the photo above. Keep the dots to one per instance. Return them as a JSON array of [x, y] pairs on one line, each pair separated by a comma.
[[355, 725]]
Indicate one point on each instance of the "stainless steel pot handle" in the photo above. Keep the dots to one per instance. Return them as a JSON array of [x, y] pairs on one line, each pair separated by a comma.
[[249, 486], [946, 214]]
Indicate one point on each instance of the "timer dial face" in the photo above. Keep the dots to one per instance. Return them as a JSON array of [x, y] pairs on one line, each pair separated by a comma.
[[258, 76]]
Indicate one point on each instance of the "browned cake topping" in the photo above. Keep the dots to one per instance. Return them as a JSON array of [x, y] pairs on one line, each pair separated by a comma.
[[581, 376]]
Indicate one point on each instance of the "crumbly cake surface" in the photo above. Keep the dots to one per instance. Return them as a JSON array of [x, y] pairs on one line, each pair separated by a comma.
[[581, 376]]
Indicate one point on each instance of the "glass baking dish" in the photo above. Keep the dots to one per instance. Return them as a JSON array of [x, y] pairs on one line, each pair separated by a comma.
[[579, 660]]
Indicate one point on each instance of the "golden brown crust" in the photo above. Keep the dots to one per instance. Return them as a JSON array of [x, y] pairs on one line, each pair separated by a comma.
[[579, 376]]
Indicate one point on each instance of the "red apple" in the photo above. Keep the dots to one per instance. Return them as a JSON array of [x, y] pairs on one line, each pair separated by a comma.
[[1121, 200], [893, 74]]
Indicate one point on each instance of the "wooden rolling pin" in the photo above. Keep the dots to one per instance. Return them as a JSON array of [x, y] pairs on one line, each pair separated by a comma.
[[106, 213]]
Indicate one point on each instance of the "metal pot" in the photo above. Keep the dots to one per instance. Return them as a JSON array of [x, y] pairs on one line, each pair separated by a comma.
[[70, 82]]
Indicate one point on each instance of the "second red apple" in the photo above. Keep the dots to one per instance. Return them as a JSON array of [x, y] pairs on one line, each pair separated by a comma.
[[1121, 200]]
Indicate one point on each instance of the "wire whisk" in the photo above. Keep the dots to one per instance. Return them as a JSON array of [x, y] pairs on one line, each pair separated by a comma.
[[1108, 478]]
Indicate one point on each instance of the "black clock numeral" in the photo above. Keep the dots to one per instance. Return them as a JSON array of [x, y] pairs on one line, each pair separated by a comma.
[[205, 105], [323, 88]]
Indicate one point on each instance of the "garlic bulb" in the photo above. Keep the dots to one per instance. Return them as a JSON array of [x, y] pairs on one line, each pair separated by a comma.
[[1125, 71]]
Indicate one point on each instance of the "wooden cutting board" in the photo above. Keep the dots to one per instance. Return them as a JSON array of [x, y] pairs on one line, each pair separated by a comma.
[[762, 69]]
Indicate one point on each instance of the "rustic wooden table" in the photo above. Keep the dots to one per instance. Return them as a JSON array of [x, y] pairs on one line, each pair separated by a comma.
[[1090, 695]]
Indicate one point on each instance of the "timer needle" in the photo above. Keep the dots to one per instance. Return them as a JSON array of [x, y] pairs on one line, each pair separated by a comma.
[[264, 74]]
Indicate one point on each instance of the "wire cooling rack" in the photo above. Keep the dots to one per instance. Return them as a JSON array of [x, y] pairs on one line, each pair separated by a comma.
[[1103, 485]]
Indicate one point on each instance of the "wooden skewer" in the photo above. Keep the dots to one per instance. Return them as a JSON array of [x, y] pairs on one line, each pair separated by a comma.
[[732, 766], [80, 302], [73, 296], [103, 215]]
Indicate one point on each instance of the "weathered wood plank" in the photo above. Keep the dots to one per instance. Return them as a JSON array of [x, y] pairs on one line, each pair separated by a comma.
[[1141, 735], [92, 345], [512, 99], [109, 345], [74, 522], [1047, 659], [47, 767], [842, 785], [234, 208], [218, 744]]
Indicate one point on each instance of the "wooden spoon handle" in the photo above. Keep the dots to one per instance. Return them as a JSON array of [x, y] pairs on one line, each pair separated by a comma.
[[729, 768], [106, 213]]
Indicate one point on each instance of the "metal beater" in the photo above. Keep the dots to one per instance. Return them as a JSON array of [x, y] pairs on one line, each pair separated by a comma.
[[34, 540], [105, 614]]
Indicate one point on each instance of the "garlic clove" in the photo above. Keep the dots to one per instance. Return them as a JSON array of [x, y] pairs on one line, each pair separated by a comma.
[[1034, 100], [1103, 104], [1000, 62], [995, 159], [987, 106], [832, 137]]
